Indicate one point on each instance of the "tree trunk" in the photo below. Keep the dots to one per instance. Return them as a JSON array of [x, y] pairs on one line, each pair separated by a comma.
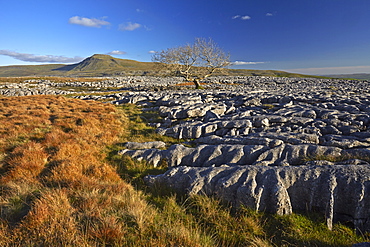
[[197, 84]]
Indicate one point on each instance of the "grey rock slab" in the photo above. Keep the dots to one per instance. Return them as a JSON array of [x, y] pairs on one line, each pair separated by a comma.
[[213, 155], [210, 115], [287, 154], [340, 192], [237, 154], [230, 124], [292, 138], [241, 140], [202, 155], [144, 145]]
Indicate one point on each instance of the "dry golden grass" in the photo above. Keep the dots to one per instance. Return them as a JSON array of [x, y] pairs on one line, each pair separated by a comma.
[[56, 187], [52, 154]]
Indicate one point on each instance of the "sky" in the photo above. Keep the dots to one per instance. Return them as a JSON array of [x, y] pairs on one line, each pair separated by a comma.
[[314, 37]]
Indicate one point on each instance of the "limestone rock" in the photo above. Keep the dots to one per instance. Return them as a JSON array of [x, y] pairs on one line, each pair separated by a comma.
[[340, 192], [144, 145]]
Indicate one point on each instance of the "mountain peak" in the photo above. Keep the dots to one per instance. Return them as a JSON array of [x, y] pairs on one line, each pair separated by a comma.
[[101, 56], [98, 62]]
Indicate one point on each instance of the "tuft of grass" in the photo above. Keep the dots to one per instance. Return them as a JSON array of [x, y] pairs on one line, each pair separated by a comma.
[[136, 124], [268, 106], [309, 230], [229, 227]]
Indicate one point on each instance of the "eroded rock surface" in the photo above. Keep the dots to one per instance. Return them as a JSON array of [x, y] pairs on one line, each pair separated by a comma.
[[340, 192], [274, 144]]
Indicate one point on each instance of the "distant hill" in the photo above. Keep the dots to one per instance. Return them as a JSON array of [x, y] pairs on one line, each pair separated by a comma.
[[96, 65], [359, 76], [105, 65]]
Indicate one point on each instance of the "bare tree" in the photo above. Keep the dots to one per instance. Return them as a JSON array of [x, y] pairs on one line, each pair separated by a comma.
[[194, 62]]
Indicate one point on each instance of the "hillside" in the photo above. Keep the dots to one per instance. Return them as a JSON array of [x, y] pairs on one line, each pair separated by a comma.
[[99, 64], [96, 65], [105, 65], [359, 76]]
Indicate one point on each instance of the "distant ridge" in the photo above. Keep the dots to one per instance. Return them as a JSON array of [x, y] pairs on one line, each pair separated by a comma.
[[105, 65], [358, 76]]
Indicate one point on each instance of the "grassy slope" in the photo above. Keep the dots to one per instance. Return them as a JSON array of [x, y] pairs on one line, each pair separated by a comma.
[[63, 185], [28, 70], [273, 73], [361, 76], [96, 65]]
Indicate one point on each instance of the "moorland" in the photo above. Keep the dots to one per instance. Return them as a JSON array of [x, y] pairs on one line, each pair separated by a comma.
[[65, 182]]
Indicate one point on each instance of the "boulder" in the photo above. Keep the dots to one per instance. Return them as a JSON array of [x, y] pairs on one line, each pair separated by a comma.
[[340, 192], [144, 145]]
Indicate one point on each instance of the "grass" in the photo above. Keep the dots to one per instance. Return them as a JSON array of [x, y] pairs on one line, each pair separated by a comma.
[[62, 184]]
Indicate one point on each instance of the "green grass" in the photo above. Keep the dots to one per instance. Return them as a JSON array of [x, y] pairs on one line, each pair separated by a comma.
[[138, 128], [309, 230]]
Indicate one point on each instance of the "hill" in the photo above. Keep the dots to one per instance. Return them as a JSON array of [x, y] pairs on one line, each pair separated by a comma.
[[359, 76], [99, 64], [96, 65], [105, 65]]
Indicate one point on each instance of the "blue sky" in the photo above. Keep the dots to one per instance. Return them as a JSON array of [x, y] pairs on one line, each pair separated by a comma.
[[306, 36]]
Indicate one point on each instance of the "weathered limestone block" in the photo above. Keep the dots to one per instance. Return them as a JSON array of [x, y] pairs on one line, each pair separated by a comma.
[[210, 115], [241, 140], [213, 155], [292, 138], [230, 124], [144, 145], [264, 122], [219, 109], [209, 128], [151, 155], [202, 155], [287, 154], [340, 192], [344, 142], [274, 154]]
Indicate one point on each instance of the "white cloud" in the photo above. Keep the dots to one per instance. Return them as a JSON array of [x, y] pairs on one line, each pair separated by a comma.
[[40, 58], [117, 52], [152, 52], [245, 63], [87, 22], [129, 26], [246, 17], [269, 14]]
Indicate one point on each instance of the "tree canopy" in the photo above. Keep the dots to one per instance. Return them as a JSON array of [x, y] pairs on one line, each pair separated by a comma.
[[195, 61]]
